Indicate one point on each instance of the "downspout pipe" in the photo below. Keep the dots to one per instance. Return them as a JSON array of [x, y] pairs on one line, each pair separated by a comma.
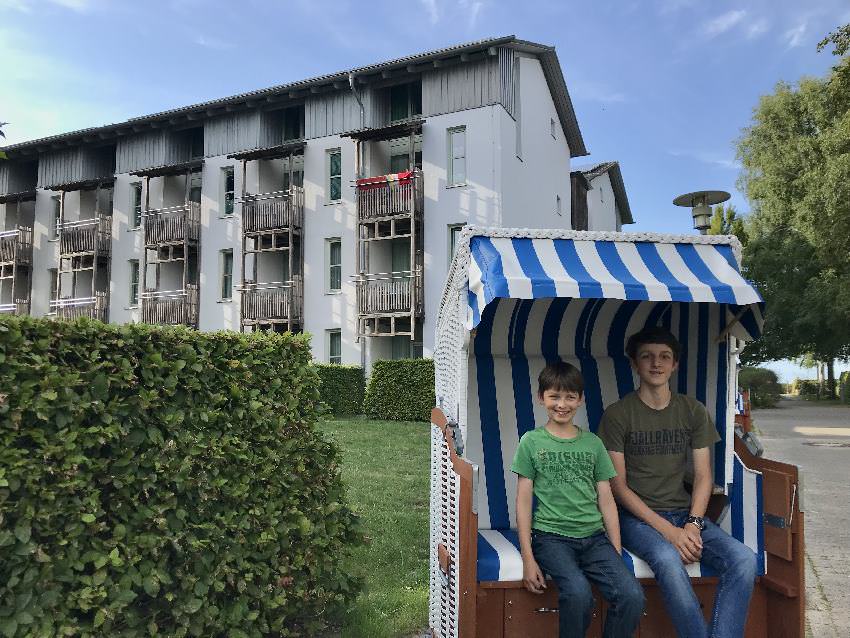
[[359, 101], [359, 165]]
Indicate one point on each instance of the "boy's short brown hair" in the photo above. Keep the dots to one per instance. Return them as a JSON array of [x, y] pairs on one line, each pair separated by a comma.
[[561, 377], [656, 335]]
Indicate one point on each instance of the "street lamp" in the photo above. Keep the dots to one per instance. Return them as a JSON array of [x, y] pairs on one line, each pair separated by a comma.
[[700, 203]]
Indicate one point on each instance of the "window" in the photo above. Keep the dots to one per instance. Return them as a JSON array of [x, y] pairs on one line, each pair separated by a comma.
[[195, 182], [57, 217], [405, 101], [457, 156], [136, 204], [333, 254], [54, 287], [552, 128], [558, 205], [293, 123], [454, 235], [401, 345], [400, 258], [334, 175], [227, 181], [401, 161], [227, 274], [134, 282], [334, 346]]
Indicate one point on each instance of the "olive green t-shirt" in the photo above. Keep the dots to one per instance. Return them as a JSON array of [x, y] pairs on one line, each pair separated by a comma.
[[565, 473], [655, 444]]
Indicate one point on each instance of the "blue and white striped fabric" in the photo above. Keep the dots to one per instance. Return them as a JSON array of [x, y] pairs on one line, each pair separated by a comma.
[[499, 557], [526, 268]]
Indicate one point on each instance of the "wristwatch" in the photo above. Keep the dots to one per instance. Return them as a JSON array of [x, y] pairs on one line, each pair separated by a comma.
[[696, 520]]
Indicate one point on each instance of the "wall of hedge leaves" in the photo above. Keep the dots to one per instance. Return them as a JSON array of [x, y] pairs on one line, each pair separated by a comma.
[[342, 388], [401, 390], [158, 481]]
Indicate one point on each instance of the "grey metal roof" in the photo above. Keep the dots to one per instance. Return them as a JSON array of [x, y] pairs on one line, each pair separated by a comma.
[[592, 171], [334, 81]]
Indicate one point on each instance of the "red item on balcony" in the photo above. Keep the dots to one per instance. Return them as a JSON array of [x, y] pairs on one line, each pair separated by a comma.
[[370, 183]]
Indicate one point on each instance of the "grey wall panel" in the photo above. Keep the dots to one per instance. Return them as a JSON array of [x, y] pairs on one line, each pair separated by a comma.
[[60, 167], [97, 162], [464, 86], [270, 128], [5, 169], [507, 78], [331, 114], [232, 133], [143, 150]]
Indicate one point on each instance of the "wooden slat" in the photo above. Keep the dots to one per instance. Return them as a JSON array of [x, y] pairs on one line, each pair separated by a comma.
[[173, 225]]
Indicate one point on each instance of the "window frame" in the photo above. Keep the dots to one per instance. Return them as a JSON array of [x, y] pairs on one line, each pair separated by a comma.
[[135, 282], [329, 243], [332, 177], [330, 334], [452, 157], [225, 279], [53, 292], [56, 218], [454, 232], [228, 196], [135, 206]]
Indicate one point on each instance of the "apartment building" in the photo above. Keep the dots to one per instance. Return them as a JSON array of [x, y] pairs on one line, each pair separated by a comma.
[[328, 205]]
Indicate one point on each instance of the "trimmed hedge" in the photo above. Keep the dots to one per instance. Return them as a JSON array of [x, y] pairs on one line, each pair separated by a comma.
[[164, 481], [401, 390], [763, 385], [342, 388]]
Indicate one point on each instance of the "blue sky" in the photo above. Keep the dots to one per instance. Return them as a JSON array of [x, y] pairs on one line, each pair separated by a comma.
[[663, 86]]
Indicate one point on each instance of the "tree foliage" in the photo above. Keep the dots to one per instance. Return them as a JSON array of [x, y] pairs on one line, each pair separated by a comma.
[[839, 39], [725, 221], [796, 160]]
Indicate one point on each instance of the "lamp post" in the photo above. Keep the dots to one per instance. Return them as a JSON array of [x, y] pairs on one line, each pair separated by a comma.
[[700, 203]]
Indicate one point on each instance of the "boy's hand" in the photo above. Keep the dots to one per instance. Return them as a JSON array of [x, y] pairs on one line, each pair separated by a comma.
[[686, 542], [532, 577]]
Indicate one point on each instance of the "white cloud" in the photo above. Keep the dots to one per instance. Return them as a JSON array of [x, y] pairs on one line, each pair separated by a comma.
[[210, 42], [27, 6], [596, 92], [794, 37], [708, 157], [723, 23], [431, 8], [757, 28], [473, 8], [672, 6]]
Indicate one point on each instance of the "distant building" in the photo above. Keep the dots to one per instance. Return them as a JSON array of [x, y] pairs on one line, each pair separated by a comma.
[[599, 197]]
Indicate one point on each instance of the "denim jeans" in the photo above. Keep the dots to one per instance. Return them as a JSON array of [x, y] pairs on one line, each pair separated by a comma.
[[572, 562], [733, 561]]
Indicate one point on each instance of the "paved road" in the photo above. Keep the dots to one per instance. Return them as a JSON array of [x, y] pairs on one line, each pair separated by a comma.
[[816, 438]]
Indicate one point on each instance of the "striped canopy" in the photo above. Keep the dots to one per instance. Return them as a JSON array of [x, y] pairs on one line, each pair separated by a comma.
[[678, 269]]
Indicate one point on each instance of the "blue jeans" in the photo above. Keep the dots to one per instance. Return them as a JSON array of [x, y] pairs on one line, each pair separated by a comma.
[[733, 561], [572, 562]]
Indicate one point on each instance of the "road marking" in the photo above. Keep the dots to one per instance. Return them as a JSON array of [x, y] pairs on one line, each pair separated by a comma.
[[808, 431]]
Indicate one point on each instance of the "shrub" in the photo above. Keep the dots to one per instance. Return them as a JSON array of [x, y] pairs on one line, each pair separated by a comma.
[[763, 385], [164, 481], [342, 388], [807, 388], [401, 390], [844, 387]]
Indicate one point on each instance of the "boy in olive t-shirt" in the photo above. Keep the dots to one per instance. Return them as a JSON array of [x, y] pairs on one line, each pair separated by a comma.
[[649, 434], [567, 470]]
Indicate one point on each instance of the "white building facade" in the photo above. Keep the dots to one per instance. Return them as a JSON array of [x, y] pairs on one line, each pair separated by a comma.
[[328, 206]]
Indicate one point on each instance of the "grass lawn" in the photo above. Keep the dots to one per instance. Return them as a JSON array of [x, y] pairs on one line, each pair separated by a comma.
[[385, 466]]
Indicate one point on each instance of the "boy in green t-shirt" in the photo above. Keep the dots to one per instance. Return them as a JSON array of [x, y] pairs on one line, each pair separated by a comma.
[[567, 471]]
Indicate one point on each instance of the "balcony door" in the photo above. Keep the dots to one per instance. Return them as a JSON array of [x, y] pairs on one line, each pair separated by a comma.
[[401, 258]]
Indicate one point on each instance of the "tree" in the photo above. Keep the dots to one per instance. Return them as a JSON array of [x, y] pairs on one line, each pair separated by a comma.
[[796, 174], [725, 221], [840, 40]]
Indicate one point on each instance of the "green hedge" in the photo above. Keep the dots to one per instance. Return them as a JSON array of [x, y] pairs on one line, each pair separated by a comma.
[[844, 387], [763, 385], [164, 481], [342, 388], [401, 390], [806, 387]]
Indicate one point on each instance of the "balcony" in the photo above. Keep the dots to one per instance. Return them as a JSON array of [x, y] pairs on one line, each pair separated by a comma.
[[173, 225], [16, 246], [171, 307], [72, 308], [272, 303], [279, 210], [389, 195], [390, 293], [86, 236]]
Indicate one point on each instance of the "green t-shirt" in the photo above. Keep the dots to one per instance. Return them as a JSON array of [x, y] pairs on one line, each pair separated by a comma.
[[655, 444], [565, 473]]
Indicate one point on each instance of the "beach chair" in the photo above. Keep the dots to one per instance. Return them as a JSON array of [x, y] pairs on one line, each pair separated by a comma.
[[516, 299]]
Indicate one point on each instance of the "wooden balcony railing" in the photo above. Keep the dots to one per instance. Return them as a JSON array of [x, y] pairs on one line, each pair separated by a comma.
[[272, 302], [86, 236], [20, 307], [388, 195], [273, 211], [171, 307], [16, 246], [388, 293], [172, 225], [72, 308]]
